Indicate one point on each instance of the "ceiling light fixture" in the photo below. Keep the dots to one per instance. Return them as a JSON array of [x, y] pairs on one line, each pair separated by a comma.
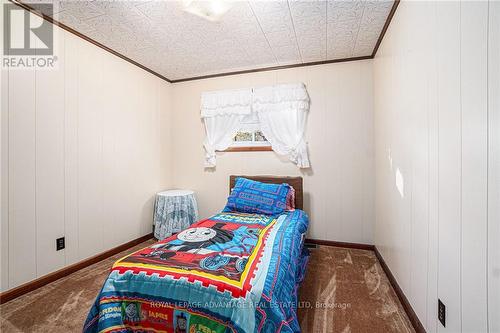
[[211, 10]]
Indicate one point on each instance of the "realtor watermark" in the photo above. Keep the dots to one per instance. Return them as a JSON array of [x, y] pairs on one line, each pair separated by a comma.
[[28, 39], [246, 304]]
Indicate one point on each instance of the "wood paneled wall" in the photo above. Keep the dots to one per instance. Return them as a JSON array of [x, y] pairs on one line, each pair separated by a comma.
[[431, 130], [494, 167], [338, 188], [84, 149]]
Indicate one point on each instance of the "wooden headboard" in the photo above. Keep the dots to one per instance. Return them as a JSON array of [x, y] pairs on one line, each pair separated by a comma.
[[295, 182]]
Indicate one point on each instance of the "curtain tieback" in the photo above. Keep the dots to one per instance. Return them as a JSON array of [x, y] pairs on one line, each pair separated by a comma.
[[210, 157], [298, 154]]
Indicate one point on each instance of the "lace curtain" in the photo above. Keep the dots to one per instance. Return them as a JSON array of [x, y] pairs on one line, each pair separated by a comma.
[[222, 112], [282, 111]]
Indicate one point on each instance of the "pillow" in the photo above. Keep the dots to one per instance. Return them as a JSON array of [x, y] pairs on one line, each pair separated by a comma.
[[290, 200], [250, 196]]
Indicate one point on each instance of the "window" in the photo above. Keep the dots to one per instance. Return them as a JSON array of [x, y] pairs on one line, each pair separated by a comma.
[[249, 137], [235, 120]]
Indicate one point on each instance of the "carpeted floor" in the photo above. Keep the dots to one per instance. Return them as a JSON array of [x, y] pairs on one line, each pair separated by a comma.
[[345, 290]]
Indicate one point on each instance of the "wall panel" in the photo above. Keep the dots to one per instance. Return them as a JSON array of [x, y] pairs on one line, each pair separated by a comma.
[[494, 167], [402, 152], [109, 111], [432, 263], [339, 185], [71, 147], [419, 108], [431, 119], [85, 157], [450, 161], [22, 173], [90, 150], [50, 164], [4, 176], [474, 103]]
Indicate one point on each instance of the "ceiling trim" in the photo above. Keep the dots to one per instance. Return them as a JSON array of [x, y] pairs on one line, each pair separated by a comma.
[[88, 39], [386, 26], [263, 69], [273, 68]]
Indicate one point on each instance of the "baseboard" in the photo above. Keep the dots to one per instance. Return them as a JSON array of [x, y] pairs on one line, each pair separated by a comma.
[[46, 279], [417, 325], [35, 284], [341, 244]]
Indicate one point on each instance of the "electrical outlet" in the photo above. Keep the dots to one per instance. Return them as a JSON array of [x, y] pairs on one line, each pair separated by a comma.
[[60, 244], [442, 312]]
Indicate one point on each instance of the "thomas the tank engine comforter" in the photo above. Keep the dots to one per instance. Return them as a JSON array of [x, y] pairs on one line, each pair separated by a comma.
[[237, 271]]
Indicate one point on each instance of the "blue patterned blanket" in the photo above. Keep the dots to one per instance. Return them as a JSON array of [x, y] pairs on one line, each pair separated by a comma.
[[233, 272]]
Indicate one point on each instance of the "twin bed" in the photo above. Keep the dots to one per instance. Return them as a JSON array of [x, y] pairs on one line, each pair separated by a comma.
[[237, 271]]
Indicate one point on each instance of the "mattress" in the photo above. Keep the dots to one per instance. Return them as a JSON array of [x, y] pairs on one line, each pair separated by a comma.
[[232, 272]]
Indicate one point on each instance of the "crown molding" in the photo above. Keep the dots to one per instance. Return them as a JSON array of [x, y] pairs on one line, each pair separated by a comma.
[[88, 39], [273, 68], [262, 69], [386, 26]]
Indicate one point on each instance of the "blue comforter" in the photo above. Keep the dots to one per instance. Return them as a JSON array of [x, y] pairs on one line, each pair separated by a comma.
[[232, 272]]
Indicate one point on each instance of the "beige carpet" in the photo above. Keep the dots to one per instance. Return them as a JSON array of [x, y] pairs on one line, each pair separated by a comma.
[[345, 291]]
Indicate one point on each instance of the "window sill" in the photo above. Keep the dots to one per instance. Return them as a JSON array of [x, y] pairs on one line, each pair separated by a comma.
[[241, 149]]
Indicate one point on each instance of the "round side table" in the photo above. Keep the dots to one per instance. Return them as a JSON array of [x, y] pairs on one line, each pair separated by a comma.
[[175, 210]]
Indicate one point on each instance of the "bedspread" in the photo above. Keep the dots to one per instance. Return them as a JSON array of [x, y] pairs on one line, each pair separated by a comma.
[[232, 272]]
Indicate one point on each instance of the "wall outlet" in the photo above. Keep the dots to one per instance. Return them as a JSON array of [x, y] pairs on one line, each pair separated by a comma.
[[60, 244], [442, 312]]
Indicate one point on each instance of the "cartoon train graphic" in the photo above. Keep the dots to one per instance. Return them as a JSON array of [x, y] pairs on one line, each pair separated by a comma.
[[221, 247]]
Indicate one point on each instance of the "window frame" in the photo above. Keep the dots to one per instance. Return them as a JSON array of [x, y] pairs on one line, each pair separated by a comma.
[[248, 148], [244, 146]]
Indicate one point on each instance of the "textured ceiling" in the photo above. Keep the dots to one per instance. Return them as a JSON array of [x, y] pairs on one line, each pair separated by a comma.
[[252, 34]]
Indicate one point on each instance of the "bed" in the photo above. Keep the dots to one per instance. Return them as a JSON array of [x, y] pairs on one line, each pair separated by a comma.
[[232, 272]]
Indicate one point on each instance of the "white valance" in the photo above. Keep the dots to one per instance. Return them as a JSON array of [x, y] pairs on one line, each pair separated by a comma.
[[281, 97], [226, 102], [281, 109]]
